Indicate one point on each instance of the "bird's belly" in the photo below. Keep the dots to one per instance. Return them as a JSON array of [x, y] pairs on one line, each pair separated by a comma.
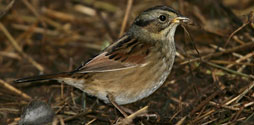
[[135, 84], [145, 89]]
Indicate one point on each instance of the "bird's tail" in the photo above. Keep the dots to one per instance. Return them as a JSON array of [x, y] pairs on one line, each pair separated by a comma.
[[43, 77]]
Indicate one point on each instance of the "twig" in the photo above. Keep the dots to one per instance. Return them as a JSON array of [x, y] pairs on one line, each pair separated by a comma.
[[206, 101], [203, 116], [99, 5], [90, 122], [249, 118], [78, 115], [229, 70], [237, 48], [238, 29], [106, 24], [222, 49], [251, 19], [18, 48], [10, 110], [247, 56], [34, 11], [13, 89], [58, 15], [191, 39], [239, 97], [126, 16], [130, 118], [85, 10], [231, 62], [61, 119], [180, 122], [238, 40], [243, 66], [234, 118], [241, 58], [224, 106], [35, 29], [9, 6], [10, 55], [40, 18]]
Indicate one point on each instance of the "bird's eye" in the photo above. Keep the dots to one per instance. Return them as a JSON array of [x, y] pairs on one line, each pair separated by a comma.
[[162, 18]]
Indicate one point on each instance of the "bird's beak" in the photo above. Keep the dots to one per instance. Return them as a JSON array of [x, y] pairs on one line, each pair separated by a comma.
[[180, 19]]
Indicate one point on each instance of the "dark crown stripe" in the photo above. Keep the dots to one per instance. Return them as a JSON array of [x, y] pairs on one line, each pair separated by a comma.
[[161, 7]]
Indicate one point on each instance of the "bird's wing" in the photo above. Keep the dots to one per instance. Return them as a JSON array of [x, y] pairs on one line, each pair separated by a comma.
[[127, 52]]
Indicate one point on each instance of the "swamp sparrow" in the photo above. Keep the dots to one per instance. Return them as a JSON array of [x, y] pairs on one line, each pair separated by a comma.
[[134, 66]]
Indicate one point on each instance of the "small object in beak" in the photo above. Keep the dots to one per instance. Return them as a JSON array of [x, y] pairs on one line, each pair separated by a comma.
[[180, 19]]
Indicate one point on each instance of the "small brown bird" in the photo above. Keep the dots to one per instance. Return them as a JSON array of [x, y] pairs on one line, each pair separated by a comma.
[[134, 66]]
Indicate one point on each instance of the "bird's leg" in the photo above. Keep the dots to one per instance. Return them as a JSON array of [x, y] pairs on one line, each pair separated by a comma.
[[112, 101]]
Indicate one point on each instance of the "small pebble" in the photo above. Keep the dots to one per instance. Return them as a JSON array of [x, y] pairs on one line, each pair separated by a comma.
[[36, 113]]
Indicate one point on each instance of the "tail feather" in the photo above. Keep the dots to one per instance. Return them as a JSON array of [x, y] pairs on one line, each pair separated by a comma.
[[43, 77]]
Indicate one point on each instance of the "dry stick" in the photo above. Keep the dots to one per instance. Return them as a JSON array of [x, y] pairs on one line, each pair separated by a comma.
[[231, 35], [55, 121], [224, 106], [10, 55], [17, 47], [35, 29], [34, 11], [175, 114], [29, 6], [180, 122], [238, 40], [250, 19], [85, 10], [205, 101], [243, 66], [191, 39], [234, 118], [203, 116], [222, 49], [249, 118], [241, 47], [246, 57], [106, 25], [27, 34], [231, 62], [58, 15], [239, 97], [210, 121], [248, 104], [244, 105], [193, 45], [90, 122], [130, 118], [78, 115], [126, 16], [13, 89], [60, 118], [229, 70], [241, 57], [9, 6]]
